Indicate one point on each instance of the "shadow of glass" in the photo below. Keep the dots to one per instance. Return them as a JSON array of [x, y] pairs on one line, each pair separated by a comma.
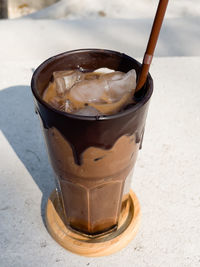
[[21, 127]]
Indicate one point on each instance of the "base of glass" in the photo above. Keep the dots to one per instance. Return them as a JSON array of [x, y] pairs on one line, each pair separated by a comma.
[[100, 245]]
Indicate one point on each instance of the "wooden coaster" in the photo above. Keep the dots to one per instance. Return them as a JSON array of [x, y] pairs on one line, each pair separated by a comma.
[[100, 245]]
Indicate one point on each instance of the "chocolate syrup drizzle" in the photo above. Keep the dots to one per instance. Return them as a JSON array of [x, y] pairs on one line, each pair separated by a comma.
[[80, 131]]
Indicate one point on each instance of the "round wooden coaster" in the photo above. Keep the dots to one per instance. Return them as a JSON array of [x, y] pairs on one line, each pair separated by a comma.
[[100, 245]]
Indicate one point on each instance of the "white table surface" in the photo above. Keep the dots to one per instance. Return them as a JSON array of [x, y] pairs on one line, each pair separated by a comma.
[[31, 39], [166, 178]]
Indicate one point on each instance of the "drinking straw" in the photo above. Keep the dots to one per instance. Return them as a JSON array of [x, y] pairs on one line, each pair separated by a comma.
[[160, 13]]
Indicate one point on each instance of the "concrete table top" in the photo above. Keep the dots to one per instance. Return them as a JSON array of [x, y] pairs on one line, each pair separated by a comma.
[[31, 39], [166, 177]]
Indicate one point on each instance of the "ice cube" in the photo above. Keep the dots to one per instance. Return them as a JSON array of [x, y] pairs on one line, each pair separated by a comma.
[[64, 80], [112, 108], [87, 111], [68, 107], [57, 102], [87, 91], [108, 88], [118, 84], [91, 76], [113, 76]]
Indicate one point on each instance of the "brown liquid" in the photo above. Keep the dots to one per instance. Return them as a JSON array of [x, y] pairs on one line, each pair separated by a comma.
[[92, 156], [94, 189]]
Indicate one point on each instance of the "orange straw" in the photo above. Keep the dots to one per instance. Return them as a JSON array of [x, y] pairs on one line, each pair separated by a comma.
[[160, 13]]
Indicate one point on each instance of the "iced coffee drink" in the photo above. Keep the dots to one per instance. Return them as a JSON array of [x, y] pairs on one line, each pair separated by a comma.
[[93, 128]]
